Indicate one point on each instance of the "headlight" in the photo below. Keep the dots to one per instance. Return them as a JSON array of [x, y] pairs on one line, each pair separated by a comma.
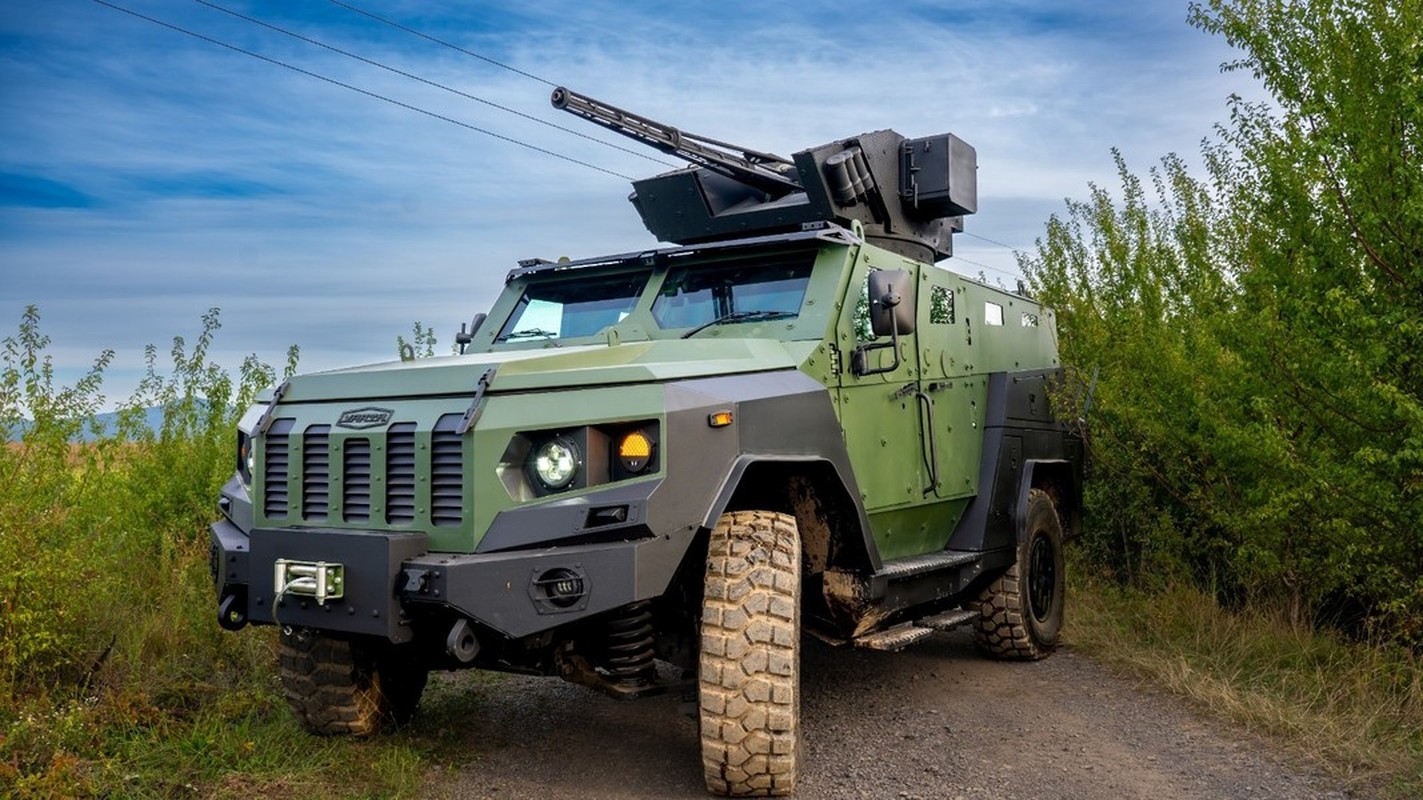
[[246, 450], [556, 463], [246, 461]]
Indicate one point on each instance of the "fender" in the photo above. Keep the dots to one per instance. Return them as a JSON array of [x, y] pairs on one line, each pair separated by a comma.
[[1038, 472], [843, 482]]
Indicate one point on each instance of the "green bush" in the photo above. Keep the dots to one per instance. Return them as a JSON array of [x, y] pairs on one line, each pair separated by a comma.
[[1256, 338], [106, 608]]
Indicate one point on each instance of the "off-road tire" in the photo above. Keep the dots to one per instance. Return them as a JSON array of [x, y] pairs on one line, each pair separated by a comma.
[[748, 686], [338, 686], [1022, 610]]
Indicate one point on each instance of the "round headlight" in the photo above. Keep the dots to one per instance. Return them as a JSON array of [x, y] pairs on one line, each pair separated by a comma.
[[556, 463]]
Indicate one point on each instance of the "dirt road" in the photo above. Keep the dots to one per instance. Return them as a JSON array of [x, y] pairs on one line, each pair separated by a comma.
[[935, 721]]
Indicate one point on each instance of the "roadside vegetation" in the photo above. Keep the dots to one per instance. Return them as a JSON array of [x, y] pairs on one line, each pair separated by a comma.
[[1251, 342]]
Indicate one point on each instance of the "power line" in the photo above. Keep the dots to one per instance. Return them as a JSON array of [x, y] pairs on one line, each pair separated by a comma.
[[428, 82], [966, 233], [1002, 272], [440, 42], [359, 90]]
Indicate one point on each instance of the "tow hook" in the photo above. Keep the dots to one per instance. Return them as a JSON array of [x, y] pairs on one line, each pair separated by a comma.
[[232, 612]]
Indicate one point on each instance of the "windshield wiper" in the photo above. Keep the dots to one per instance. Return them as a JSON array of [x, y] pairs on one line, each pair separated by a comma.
[[531, 332], [739, 316]]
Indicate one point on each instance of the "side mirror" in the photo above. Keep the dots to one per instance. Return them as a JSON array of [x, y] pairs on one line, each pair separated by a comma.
[[889, 313], [466, 335]]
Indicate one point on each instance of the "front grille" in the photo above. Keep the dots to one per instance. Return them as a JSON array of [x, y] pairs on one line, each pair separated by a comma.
[[447, 472], [400, 473], [356, 480], [316, 472], [380, 476], [274, 476]]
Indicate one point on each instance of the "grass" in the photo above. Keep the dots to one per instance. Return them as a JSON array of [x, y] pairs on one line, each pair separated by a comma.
[[1352, 708]]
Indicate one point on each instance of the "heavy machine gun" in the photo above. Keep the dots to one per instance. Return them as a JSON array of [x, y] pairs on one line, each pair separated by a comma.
[[909, 195]]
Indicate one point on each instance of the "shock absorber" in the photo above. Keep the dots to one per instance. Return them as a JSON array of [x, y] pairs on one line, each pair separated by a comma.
[[630, 646]]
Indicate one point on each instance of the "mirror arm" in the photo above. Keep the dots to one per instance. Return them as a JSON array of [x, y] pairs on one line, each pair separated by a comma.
[[859, 359]]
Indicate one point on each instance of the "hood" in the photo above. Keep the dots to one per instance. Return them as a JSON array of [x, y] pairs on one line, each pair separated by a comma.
[[553, 368]]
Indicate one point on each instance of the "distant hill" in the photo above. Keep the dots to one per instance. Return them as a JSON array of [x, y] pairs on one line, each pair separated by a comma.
[[108, 422]]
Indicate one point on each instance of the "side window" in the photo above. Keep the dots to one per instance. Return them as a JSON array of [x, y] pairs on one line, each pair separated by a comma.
[[941, 305], [992, 314], [860, 320]]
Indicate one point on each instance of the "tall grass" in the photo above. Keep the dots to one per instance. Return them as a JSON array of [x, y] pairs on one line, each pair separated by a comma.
[[114, 677], [1355, 709]]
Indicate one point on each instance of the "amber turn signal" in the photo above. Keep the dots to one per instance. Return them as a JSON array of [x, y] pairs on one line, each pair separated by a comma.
[[635, 451]]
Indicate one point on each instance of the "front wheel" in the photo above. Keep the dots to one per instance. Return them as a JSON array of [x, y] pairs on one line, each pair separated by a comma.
[[748, 685], [340, 686], [1022, 609]]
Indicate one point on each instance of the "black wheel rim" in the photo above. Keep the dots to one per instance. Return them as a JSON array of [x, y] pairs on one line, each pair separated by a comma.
[[1042, 578]]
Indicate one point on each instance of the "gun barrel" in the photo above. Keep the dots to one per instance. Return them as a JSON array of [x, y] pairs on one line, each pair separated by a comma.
[[765, 171]]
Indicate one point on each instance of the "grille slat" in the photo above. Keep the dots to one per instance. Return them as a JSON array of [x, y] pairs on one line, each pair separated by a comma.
[[356, 480], [276, 468], [400, 473], [447, 472], [316, 472]]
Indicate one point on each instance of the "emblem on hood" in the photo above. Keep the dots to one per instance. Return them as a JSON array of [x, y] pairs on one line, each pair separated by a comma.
[[362, 418]]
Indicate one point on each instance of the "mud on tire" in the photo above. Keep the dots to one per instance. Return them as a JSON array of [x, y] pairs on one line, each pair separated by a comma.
[[1022, 609], [748, 687], [337, 686]]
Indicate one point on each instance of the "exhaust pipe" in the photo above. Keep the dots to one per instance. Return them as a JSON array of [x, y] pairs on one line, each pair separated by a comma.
[[461, 642]]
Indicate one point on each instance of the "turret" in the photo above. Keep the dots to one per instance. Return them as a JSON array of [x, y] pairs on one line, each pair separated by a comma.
[[910, 195]]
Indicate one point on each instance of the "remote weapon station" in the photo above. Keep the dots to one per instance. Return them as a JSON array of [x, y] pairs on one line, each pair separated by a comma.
[[661, 469]]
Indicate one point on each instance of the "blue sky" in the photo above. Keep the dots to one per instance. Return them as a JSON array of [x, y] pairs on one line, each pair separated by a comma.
[[146, 175]]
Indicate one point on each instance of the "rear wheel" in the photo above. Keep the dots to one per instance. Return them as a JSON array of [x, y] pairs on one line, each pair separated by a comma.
[[340, 686], [748, 687], [1022, 610]]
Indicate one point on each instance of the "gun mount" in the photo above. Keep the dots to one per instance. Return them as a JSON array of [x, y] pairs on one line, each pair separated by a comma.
[[910, 195]]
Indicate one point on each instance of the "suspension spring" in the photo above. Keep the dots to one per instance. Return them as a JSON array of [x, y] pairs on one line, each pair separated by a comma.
[[630, 644]]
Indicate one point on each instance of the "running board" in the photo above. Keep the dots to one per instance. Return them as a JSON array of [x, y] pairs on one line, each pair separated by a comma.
[[902, 568], [901, 636]]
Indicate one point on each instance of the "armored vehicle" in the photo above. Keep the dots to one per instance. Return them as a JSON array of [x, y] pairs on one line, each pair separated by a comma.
[[660, 468]]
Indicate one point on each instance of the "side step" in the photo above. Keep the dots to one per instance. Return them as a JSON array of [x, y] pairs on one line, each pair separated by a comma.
[[901, 636]]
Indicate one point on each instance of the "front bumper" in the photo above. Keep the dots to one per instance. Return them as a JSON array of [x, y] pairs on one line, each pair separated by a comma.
[[391, 581]]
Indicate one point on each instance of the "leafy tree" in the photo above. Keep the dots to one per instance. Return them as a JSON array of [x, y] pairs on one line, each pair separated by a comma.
[[1258, 424]]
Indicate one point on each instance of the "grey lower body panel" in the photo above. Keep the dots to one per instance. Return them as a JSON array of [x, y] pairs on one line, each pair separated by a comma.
[[510, 592]]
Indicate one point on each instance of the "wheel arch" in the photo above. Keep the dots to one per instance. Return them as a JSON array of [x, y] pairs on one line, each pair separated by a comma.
[[1061, 481], [833, 527]]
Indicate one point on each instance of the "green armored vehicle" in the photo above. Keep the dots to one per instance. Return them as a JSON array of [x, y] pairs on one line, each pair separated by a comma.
[[688, 457]]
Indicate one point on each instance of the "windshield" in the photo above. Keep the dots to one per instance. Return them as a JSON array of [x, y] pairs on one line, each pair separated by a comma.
[[698, 294], [560, 308]]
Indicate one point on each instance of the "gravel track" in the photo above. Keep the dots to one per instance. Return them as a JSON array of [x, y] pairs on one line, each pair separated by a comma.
[[935, 721]]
